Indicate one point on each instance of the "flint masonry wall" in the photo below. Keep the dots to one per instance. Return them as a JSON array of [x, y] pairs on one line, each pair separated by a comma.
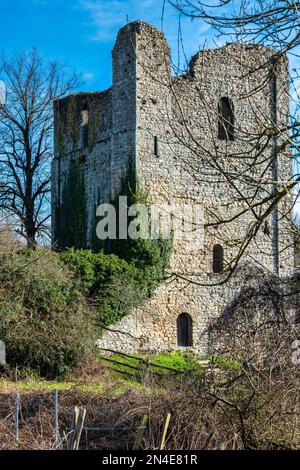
[[181, 113], [95, 133], [83, 140]]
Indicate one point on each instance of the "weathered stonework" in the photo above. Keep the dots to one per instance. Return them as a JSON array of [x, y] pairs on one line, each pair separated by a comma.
[[107, 132]]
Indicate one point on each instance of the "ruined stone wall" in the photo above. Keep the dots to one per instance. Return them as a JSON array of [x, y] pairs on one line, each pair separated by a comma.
[[83, 142], [166, 129], [181, 112], [124, 108], [95, 133], [190, 150]]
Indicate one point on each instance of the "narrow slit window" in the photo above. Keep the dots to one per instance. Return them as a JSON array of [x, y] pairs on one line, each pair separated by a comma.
[[218, 259], [82, 158], [184, 330], [84, 124], [225, 119], [156, 146]]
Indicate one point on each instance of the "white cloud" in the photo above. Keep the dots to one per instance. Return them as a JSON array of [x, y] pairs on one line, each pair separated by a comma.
[[107, 17], [88, 76]]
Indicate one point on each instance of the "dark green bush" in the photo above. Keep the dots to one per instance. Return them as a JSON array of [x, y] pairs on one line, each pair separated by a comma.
[[44, 320], [107, 281], [95, 270], [114, 284]]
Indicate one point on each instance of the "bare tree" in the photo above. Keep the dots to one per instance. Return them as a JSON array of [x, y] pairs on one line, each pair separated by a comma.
[[26, 142], [250, 172], [272, 22]]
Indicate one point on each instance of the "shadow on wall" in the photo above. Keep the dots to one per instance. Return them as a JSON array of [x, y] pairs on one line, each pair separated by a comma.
[[264, 307]]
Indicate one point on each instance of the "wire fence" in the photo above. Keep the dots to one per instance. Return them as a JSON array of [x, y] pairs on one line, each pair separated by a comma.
[[36, 421], [72, 419], [51, 421]]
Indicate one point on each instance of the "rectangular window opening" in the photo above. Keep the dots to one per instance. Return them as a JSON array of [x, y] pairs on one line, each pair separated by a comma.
[[156, 146]]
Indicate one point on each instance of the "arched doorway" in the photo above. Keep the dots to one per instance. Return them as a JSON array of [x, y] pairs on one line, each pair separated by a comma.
[[184, 330]]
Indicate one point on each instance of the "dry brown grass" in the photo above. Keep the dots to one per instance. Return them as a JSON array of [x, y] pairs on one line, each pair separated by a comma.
[[203, 416], [110, 429]]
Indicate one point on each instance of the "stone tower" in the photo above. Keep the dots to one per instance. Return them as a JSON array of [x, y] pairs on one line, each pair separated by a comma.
[[163, 128]]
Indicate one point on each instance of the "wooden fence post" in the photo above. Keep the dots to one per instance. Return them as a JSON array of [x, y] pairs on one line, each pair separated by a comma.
[[163, 440], [77, 422], [140, 432]]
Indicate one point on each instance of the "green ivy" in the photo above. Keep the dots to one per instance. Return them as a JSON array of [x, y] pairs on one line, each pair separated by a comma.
[[113, 285], [115, 275], [71, 216]]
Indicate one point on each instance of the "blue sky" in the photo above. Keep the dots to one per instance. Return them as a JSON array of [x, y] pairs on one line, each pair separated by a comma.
[[81, 33]]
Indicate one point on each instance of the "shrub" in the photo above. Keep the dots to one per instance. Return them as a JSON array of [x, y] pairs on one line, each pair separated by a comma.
[[107, 281], [95, 270], [44, 321], [114, 284], [51, 302]]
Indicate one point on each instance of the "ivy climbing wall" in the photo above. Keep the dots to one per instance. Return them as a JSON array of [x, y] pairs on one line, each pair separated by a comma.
[[81, 171]]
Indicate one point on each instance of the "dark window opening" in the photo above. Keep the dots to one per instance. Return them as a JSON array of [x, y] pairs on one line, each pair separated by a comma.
[[156, 146], [184, 330], [225, 119], [218, 259], [84, 106]]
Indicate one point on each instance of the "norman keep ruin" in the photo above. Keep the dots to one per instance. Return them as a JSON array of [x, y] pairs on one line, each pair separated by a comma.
[[178, 135]]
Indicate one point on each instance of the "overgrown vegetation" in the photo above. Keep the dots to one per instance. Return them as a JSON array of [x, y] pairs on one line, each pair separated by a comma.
[[108, 282], [71, 219], [117, 275], [114, 285], [45, 321], [54, 305], [158, 368]]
